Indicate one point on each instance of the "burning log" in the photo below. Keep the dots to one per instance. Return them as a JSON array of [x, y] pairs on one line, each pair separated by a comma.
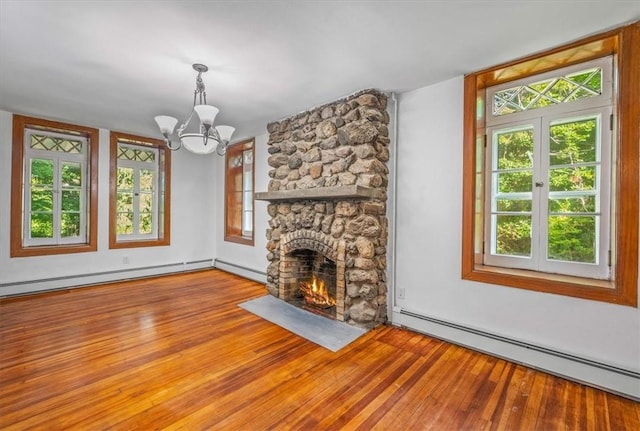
[[316, 294]]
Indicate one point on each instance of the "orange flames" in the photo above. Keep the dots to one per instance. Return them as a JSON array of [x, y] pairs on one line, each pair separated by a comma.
[[315, 293]]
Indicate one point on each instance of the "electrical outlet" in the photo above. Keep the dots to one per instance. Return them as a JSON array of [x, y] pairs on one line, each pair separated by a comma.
[[401, 293]]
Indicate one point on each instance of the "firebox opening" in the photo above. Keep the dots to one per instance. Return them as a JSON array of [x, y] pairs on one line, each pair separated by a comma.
[[314, 281]]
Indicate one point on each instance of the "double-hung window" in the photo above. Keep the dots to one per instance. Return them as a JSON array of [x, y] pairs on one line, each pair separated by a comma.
[[551, 178], [139, 192], [549, 171], [54, 188]]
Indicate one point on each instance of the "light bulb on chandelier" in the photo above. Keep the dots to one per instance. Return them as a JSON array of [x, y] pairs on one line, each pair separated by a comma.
[[206, 138]]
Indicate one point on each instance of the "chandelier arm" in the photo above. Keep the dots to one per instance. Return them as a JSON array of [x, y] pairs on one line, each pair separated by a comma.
[[221, 148], [170, 145], [184, 125], [213, 133]]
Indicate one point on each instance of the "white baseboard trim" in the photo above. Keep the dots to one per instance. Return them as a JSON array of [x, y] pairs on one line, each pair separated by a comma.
[[82, 280], [242, 271], [603, 376]]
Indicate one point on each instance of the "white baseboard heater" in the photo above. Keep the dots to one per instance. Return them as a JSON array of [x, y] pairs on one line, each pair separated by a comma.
[[81, 280], [242, 271]]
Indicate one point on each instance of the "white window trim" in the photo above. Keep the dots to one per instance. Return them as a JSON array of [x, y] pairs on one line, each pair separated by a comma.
[[58, 157]]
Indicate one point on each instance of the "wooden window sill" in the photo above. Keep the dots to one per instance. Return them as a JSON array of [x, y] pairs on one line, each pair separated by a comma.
[[579, 287]]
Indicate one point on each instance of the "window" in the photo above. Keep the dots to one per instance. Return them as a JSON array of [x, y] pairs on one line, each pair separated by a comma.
[[548, 172], [54, 188], [550, 194], [239, 193], [139, 195]]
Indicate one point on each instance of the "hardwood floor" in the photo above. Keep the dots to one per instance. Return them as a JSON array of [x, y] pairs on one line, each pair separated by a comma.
[[176, 352]]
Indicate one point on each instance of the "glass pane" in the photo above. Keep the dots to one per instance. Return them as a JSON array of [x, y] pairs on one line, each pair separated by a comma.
[[124, 223], [136, 154], [583, 204], [146, 179], [573, 142], [513, 205], [247, 223], [146, 223], [70, 225], [70, 200], [125, 179], [514, 182], [50, 143], [246, 201], [41, 172], [514, 149], [146, 202], [71, 175], [42, 200], [572, 239], [248, 157], [247, 186], [124, 202], [581, 93], [574, 179], [561, 89], [591, 80], [41, 225], [513, 235]]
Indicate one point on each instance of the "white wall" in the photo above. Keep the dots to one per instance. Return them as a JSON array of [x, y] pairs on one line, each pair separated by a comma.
[[246, 260], [192, 228], [428, 254]]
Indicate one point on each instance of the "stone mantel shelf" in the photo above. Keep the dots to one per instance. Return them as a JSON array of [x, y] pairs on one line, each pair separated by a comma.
[[321, 193]]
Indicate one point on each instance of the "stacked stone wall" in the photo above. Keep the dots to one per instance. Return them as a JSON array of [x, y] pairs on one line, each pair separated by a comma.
[[344, 143]]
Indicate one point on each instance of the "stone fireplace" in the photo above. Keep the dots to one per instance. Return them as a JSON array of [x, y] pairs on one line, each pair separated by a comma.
[[328, 226]]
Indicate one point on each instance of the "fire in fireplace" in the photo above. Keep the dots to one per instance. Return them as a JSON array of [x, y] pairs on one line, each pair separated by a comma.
[[311, 281], [316, 294]]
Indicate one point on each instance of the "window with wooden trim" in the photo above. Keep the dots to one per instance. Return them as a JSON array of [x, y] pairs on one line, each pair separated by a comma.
[[139, 192], [239, 180], [551, 149], [54, 188], [548, 164]]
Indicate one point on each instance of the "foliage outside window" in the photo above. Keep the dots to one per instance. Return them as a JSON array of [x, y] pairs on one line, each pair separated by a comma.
[[54, 188], [239, 180], [550, 194], [139, 192]]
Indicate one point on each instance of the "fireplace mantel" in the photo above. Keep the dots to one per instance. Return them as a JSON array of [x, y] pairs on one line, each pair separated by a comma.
[[321, 193]]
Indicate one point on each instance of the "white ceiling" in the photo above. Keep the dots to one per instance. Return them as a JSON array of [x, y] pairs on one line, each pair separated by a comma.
[[117, 64]]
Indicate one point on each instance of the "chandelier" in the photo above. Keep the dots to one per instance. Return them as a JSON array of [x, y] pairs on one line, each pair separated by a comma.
[[205, 138]]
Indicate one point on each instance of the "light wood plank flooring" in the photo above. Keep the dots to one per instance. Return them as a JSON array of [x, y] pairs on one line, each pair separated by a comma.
[[176, 352]]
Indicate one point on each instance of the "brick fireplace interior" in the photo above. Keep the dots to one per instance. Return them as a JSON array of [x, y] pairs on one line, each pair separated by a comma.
[[327, 205], [309, 280]]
